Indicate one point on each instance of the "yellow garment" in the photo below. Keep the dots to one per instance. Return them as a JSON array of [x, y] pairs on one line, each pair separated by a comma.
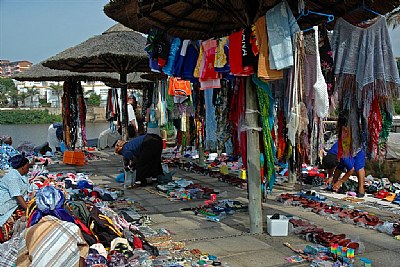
[[196, 72], [264, 70], [220, 56]]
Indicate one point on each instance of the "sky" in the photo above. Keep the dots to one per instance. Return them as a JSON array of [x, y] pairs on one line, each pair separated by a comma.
[[35, 30]]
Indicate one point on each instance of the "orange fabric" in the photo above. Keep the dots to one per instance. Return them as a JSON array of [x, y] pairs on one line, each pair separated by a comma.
[[264, 70], [178, 87]]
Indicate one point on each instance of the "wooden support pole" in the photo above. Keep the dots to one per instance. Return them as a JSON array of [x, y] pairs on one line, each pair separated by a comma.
[[124, 107], [253, 159]]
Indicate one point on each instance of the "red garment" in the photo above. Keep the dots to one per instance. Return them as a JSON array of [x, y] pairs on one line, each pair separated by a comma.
[[235, 55], [208, 72], [374, 126], [237, 118]]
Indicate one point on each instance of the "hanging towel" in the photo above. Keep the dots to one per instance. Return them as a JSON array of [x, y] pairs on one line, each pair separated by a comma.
[[281, 25], [321, 105], [264, 70]]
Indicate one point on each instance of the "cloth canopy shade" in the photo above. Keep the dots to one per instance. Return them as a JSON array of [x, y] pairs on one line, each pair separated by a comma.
[[119, 49], [206, 19]]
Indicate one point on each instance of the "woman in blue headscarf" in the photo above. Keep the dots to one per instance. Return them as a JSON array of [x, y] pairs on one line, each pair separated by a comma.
[[13, 192]]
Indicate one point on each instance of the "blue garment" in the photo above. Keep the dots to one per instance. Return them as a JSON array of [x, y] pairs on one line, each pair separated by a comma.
[[173, 56], [6, 152], [211, 124], [13, 184], [192, 54], [281, 26], [133, 147], [357, 162]]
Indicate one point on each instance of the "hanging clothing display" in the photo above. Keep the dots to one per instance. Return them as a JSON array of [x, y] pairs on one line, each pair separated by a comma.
[[264, 70], [74, 110], [320, 88], [173, 56], [211, 136], [281, 26], [326, 59], [221, 63], [365, 69], [266, 103], [235, 55], [178, 87]]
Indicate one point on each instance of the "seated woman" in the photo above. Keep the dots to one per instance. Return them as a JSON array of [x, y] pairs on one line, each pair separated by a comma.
[[13, 191], [145, 151]]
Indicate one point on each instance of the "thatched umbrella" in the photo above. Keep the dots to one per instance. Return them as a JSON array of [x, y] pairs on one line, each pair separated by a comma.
[[201, 20], [39, 73], [119, 49]]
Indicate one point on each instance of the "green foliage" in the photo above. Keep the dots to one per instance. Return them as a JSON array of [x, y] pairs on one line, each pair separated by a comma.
[[7, 90], [94, 100], [43, 103], [396, 106], [28, 117]]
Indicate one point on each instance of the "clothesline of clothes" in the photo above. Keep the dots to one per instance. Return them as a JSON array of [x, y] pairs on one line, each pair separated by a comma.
[[360, 66]]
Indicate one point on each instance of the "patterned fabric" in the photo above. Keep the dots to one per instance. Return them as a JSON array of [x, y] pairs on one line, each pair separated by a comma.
[[9, 252], [8, 228], [326, 55], [211, 136], [6, 152], [281, 26], [364, 52], [52, 242], [365, 69], [221, 63], [266, 102], [13, 184]]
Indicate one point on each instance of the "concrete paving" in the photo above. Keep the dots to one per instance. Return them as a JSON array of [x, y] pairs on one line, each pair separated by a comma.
[[230, 238]]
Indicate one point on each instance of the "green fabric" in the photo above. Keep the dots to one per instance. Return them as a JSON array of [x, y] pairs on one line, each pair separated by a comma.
[[266, 102]]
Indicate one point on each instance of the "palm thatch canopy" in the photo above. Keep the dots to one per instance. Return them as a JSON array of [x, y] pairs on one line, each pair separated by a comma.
[[152, 76], [38, 73], [195, 19], [199, 19], [119, 49]]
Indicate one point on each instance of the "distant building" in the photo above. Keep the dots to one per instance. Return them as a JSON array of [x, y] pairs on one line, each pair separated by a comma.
[[8, 68]]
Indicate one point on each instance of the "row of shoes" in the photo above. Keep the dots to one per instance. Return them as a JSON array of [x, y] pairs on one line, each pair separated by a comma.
[[317, 235], [347, 215]]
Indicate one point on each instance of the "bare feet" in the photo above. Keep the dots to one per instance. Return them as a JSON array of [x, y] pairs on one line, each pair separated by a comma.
[[337, 185]]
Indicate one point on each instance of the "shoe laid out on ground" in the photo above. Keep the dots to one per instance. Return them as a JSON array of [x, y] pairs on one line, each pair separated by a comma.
[[360, 195]]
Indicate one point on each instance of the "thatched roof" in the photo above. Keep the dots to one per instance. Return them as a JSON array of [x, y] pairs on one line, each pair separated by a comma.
[[38, 73], [200, 19], [187, 19], [119, 49], [152, 76]]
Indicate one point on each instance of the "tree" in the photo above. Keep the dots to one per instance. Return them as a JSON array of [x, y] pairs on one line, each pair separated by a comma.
[[57, 89], [31, 92], [7, 90], [94, 100]]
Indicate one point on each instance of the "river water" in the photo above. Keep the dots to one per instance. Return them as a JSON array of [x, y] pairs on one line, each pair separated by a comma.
[[37, 133]]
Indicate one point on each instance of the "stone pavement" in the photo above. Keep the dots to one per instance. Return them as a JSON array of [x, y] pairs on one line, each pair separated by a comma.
[[230, 238]]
